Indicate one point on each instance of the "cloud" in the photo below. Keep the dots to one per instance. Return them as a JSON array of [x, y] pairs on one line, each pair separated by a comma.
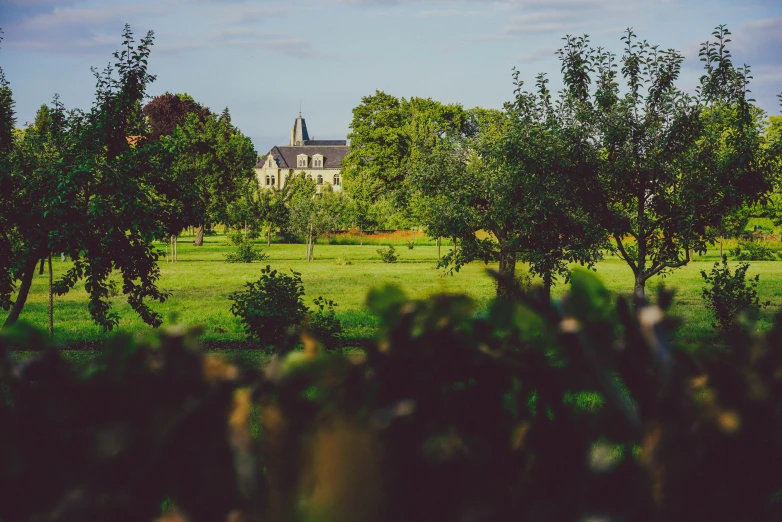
[[446, 13], [249, 38], [71, 29], [759, 42], [537, 55]]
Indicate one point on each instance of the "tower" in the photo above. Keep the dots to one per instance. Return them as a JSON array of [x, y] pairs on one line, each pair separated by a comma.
[[299, 133]]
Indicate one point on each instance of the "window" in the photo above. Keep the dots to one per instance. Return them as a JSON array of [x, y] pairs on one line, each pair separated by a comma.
[[302, 162], [273, 181], [336, 179], [267, 180], [318, 162], [320, 179], [309, 177]]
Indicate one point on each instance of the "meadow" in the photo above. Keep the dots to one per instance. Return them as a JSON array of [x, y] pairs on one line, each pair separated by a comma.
[[201, 281]]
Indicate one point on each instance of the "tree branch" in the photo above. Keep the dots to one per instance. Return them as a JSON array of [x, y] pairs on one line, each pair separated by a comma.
[[624, 253]]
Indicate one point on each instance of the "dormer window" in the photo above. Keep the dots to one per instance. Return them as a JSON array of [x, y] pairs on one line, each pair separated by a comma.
[[270, 163], [317, 160], [301, 160]]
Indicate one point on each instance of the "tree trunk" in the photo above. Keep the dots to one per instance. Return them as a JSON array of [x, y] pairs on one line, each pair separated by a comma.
[[199, 237], [40, 268], [62, 257], [547, 283], [640, 285], [51, 300], [24, 289], [720, 248], [360, 237], [438, 248], [269, 236], [507, 274]]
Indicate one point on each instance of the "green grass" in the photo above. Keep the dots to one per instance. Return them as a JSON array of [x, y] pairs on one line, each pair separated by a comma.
[[201, 282]]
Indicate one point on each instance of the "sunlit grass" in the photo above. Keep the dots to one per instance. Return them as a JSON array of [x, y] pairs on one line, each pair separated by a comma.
[[201, 281]]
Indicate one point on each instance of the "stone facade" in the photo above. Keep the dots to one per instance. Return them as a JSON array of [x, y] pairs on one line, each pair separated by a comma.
[[320, 160]]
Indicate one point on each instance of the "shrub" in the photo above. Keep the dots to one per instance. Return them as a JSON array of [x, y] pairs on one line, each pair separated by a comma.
[[388, 255], [245, 252], [754, 251], [410, 245], [342, 260], [323, 323], [730, 294], [270, 306]]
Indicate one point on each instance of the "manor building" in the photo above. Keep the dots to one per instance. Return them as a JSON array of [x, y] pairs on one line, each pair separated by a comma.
[[320, 160]]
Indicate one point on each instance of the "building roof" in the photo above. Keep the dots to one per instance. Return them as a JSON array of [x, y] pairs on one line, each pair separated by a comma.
[[286, 156], [323, 143]]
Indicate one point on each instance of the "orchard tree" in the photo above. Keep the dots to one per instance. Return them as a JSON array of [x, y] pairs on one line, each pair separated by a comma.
[[520, 177], [85, 189], [670, 165], [313, 212]]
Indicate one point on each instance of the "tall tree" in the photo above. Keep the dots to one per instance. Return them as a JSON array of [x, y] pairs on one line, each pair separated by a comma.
[[94, 195], [519, 178], [212, 162], [671, 165], [166, 112]]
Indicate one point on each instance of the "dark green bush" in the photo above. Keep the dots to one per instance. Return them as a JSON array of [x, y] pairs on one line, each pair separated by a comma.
[[271, 306], [580, 410], [388, 255], [730, 293]]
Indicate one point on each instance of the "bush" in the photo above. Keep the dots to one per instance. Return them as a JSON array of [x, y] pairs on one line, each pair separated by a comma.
[[388, 255], [730, 294], [323, 323], [342, 260], [245, 252], [270, 306], [410, 245], [754, 251]]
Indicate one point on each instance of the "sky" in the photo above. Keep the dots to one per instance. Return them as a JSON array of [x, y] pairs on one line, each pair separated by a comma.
[[264, 59]]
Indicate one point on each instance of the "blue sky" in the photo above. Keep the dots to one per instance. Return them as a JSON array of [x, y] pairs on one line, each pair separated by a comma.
[[262, 58]]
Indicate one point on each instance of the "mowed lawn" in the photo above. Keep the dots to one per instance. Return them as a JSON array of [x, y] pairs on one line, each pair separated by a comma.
[[201, 281]]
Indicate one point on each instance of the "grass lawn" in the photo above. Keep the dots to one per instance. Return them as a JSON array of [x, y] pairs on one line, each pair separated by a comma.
[[201, 281]]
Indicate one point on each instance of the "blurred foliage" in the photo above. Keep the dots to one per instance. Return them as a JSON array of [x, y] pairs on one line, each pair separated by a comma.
[[576, 410]]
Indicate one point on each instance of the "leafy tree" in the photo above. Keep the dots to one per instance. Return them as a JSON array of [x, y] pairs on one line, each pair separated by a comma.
[[389, 135], [670, 165], [378, 141], [90, 193], [166, 112], [212, 163], [519, 177], [312, 212]]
